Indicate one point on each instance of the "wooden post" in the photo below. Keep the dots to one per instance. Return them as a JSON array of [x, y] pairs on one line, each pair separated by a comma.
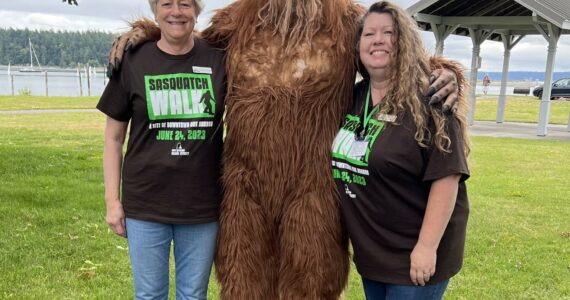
[[46, 82], [12, 83], [88, 74], [79, 79]]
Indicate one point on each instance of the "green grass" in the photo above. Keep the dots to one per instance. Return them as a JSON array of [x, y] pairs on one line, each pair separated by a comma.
[[54, 243], [38, 102], [518, 245], [521, 109], [518, 108]]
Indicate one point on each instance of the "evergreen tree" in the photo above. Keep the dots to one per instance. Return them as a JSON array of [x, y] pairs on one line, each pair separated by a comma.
[[55, 48]]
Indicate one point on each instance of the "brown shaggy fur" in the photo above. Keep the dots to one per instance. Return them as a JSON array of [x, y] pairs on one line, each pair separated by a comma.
[[291, 70], [290, 73]]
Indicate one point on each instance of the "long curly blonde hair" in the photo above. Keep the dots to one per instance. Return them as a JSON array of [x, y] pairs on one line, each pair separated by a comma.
[[409, 80]]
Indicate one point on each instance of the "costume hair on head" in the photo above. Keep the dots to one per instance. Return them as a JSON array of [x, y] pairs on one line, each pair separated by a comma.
[[198, 5]]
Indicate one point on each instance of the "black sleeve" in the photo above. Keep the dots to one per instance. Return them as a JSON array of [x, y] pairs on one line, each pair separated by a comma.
[[115, 101], [441, 164]]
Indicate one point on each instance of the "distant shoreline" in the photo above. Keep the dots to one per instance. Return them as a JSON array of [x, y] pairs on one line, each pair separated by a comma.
[[521, 76], [16, 68], [537, 77]]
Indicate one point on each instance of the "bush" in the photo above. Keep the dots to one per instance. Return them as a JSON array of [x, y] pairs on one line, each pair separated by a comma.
[[25, 92]]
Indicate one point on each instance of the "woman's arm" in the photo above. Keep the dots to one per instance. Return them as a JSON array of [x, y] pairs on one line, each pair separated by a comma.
[[440, 206], [115, 132]]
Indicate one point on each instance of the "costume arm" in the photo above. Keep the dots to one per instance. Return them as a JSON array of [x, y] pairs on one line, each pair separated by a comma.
[[142, 30], [222, 26], [447, 82], [440, 206], [115, 132]]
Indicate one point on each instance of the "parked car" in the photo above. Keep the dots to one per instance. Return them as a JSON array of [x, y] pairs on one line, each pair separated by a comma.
[[560, 88]]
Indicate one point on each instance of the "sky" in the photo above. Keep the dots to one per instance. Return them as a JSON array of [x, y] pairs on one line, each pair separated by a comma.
[[112, 15]]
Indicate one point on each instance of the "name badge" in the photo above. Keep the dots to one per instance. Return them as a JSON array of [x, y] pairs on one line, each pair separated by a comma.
[[358, 148], [202, 70], [386, 118]]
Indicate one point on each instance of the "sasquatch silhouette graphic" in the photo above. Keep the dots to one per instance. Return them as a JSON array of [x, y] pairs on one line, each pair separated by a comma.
[[207, 103]]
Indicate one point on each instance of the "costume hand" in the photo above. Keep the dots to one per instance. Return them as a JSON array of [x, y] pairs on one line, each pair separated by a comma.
[[116, 218], [120, 45], [422, 264], [443, 83], [141, 31]]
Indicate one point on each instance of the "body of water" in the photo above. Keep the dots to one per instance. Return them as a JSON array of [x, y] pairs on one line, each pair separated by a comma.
[[60, 82], [65, 82], [496, 89]]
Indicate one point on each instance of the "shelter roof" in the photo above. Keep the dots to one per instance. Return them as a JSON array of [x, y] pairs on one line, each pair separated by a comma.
[[515, 17]]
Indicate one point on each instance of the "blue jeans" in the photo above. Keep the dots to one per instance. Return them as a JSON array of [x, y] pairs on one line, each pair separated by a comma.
[[149, 249], [375, 290]]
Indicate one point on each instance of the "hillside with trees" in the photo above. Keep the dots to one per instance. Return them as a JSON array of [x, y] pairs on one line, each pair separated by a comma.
[[55, 48]]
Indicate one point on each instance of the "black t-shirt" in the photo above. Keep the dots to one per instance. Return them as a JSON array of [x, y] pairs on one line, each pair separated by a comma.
[[385, 189], [172, 165]]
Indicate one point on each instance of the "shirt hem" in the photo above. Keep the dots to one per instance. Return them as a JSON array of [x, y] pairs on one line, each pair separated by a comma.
[[165, 220], [391, 279]]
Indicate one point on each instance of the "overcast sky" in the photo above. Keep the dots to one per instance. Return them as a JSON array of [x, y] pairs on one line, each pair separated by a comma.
[[112, 15]]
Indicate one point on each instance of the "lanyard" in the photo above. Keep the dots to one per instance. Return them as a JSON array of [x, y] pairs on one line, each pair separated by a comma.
[[367, 116]]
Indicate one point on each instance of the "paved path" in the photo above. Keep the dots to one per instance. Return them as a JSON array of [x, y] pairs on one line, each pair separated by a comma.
[[519, 130], [44, 111], [479, 128]]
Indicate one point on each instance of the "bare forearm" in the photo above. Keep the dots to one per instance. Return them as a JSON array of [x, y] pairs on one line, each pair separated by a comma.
[[115, 132], [112, 162], [440, 206]]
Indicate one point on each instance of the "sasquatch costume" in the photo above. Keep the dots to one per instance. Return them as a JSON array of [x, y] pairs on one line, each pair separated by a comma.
[[291, 71]]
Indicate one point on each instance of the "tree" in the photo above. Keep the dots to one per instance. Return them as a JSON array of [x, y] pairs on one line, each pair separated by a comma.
[[54, 48]]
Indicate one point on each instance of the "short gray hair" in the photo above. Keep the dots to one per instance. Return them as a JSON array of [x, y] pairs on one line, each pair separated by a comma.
[[198, 6]]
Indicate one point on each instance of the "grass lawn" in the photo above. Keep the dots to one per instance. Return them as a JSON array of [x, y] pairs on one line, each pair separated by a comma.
[[518, 108], [521, 109], [39, 102], [54, 243]]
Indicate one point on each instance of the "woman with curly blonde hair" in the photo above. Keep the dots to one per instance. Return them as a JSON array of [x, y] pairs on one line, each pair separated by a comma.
[[400, 166]]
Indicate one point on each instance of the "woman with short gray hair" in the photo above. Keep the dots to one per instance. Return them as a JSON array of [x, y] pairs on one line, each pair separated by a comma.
[[198, 6], [167, 190]]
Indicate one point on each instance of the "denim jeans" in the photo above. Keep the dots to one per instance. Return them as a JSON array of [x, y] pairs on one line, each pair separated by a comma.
[[149, 249], [375, 290]]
